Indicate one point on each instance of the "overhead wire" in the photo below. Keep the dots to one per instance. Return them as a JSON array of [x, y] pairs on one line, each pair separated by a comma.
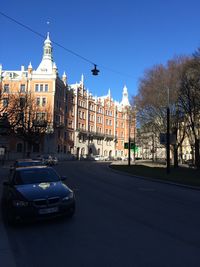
[[59, 45]]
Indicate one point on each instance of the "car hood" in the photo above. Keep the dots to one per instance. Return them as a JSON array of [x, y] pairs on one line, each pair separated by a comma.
[[43, 190]]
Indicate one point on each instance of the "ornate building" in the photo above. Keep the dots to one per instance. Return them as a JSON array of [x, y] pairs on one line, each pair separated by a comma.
[[76, 122], [100, 125]]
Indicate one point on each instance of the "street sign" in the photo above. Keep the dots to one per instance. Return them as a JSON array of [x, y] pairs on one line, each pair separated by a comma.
[[163, 139], [133, 146]]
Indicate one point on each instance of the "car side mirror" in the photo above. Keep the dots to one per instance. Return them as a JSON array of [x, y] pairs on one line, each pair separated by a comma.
[[63, 178]]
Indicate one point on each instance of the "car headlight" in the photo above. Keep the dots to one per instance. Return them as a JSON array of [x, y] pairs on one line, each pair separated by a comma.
[[20, 203], [69, 196]]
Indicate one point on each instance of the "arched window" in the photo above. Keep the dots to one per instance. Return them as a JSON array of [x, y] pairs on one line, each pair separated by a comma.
[[82, 151], [19, 147]]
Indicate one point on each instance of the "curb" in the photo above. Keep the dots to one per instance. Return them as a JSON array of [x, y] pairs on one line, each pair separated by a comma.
[[157, 180]]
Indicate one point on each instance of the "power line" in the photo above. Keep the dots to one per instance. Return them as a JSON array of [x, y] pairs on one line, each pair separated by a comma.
[[42, 36], [61, 46]]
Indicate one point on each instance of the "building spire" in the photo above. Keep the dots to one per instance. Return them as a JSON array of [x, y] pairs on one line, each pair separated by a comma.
[[109, 93], [47, 64], [125, 101], [47, 49]]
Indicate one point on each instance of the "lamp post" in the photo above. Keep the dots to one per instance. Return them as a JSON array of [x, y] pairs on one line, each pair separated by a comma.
[[129, 138], [168, 134]]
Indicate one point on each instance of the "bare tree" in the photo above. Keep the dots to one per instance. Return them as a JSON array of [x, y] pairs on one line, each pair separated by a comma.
[[28, 120], [189, 96], [159, 89]]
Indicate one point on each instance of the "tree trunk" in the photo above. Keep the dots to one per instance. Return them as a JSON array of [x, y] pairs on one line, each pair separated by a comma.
[[197, 155], [175, 156]]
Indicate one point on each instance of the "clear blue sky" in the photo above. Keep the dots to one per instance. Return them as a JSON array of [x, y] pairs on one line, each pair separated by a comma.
[[122, 37]]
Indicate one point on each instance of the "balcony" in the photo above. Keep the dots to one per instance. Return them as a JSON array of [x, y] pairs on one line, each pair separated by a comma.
[[96, 134]]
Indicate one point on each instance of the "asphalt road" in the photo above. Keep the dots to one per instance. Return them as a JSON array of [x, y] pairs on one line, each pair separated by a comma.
[[120, 221]]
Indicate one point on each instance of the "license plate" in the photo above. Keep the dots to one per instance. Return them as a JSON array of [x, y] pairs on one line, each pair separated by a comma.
[[48, 210]]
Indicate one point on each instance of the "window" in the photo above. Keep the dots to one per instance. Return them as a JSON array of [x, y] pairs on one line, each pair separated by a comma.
[[22, 88], [110, 132], [110, 122], [5, 102], [38, 101], [6, 88], [44, 101], [37, 88], [41, 87], [40, 116]]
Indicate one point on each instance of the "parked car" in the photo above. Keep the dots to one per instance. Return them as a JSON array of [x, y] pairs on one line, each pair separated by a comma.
[[35, 193], [49, 160], [26, 163], [98, 158], [54, 160]]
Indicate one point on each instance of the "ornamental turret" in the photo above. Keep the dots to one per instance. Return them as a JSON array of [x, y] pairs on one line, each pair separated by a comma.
[[47, 64]]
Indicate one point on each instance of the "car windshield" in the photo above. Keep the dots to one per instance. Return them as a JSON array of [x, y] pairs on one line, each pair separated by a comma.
[[32, 176], [29, 163]]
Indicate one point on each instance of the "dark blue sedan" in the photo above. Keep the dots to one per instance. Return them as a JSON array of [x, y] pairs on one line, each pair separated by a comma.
[[36, 192]]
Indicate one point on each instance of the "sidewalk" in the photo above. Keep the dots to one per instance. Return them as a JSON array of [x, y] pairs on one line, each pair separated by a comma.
[[6, 255]]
